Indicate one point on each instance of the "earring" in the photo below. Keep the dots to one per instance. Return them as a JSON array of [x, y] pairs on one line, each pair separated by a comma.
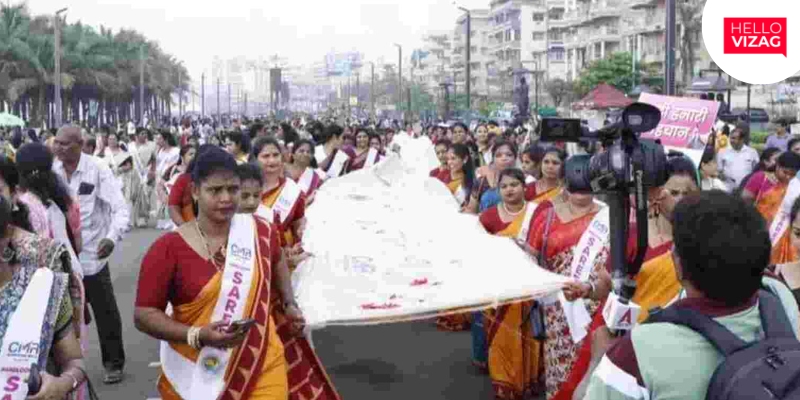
[[8, 254]]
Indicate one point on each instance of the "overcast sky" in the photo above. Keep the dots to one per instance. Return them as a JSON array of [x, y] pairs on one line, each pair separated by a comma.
[[302, 31]]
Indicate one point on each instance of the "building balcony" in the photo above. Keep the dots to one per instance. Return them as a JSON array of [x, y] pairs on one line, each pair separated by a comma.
[[653, 57], [643, 4]]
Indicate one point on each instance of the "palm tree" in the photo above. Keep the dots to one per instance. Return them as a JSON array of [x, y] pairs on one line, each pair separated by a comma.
[[97, 67]]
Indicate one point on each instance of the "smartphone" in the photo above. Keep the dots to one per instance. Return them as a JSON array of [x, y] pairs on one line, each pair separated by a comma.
[[34, 380], [241, 325]]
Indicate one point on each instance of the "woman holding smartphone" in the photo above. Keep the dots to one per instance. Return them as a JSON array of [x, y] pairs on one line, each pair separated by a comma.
[[214, 272]]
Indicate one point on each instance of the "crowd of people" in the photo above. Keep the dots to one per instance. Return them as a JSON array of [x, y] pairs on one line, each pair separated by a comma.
[[216, 289]]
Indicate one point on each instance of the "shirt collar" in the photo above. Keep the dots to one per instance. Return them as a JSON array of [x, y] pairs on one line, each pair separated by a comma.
[[714, 308]]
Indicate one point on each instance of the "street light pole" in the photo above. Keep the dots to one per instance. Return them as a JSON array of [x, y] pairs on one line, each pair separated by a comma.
[[399, 75], [203, 95], [180, 93], [372, 89], [141, 85], [669, 62], [219, 109], [469, 55], [57, 82]]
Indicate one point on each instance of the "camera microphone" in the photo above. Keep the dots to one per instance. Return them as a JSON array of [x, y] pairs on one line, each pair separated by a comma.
[[620, 314]]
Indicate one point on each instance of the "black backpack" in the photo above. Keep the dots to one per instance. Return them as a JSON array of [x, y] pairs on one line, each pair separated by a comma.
[[761, 370]]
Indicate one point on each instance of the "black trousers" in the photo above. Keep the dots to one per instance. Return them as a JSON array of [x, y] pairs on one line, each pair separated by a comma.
[[100, 296]]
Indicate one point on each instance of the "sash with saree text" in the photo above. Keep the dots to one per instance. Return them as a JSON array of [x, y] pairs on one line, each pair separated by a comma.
[[204, 379]]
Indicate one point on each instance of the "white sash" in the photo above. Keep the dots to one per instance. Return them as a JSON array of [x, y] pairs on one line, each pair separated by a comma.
[[21, 342], [58, 224], [372, 156], [337, 165], [205, 379], [283, 204], [584, 255], [461, 195], [781, 221], [530, 208], [307, 179]]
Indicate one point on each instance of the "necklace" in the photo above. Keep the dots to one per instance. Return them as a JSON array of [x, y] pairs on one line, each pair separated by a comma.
[[218, 265], [514, 214], [579, 212]]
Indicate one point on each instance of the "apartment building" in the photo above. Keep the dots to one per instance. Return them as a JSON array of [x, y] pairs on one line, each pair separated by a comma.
[[559, 38], [435, 67], [479, 53]]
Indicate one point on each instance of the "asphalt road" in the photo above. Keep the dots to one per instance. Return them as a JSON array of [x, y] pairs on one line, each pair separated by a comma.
[[398, 361]]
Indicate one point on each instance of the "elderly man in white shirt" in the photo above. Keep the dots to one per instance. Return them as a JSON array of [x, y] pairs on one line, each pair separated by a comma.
[[737, 161], [104, 219]]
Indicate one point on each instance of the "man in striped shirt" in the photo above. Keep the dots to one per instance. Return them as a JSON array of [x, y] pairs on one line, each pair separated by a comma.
[[721, 250]]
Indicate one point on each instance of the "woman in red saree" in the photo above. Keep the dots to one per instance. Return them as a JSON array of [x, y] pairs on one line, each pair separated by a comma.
[[551, 181], [283, 200], [768, 192], [306, 375], [366, 155], [187, 269], [180, 203], [555, 235], [442, 172], [514, 356], [303, 169]]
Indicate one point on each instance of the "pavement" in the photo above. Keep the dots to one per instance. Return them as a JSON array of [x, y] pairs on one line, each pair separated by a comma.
[[396, 361]]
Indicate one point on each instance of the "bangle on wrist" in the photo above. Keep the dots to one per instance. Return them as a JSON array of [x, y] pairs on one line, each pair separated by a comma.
[[75, 381], [193, 337]]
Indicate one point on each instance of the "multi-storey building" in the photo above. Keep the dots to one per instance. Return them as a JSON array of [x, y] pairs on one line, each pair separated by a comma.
[[479, 53], [434, 65], [519, 39], [559, 39]]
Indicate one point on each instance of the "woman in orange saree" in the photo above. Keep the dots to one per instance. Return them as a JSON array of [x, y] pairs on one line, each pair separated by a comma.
[[283, 200], [556, 234], [769, 194], [514, 355], [551, 181], [219, 269]]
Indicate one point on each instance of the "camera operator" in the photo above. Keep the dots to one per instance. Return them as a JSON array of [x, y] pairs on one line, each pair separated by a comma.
[[721, 248]]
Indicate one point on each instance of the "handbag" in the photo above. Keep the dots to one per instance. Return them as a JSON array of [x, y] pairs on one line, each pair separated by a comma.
[[538, 327]]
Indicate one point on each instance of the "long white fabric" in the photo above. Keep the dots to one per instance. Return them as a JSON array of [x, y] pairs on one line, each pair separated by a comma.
[[389, 244], [204, 380], [21, 342]]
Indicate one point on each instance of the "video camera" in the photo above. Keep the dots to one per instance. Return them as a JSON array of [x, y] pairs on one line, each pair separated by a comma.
[[626, 166]]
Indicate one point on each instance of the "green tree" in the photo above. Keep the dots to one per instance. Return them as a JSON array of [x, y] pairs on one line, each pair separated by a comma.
[[96, 67], [615, 70], [559, 91]]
